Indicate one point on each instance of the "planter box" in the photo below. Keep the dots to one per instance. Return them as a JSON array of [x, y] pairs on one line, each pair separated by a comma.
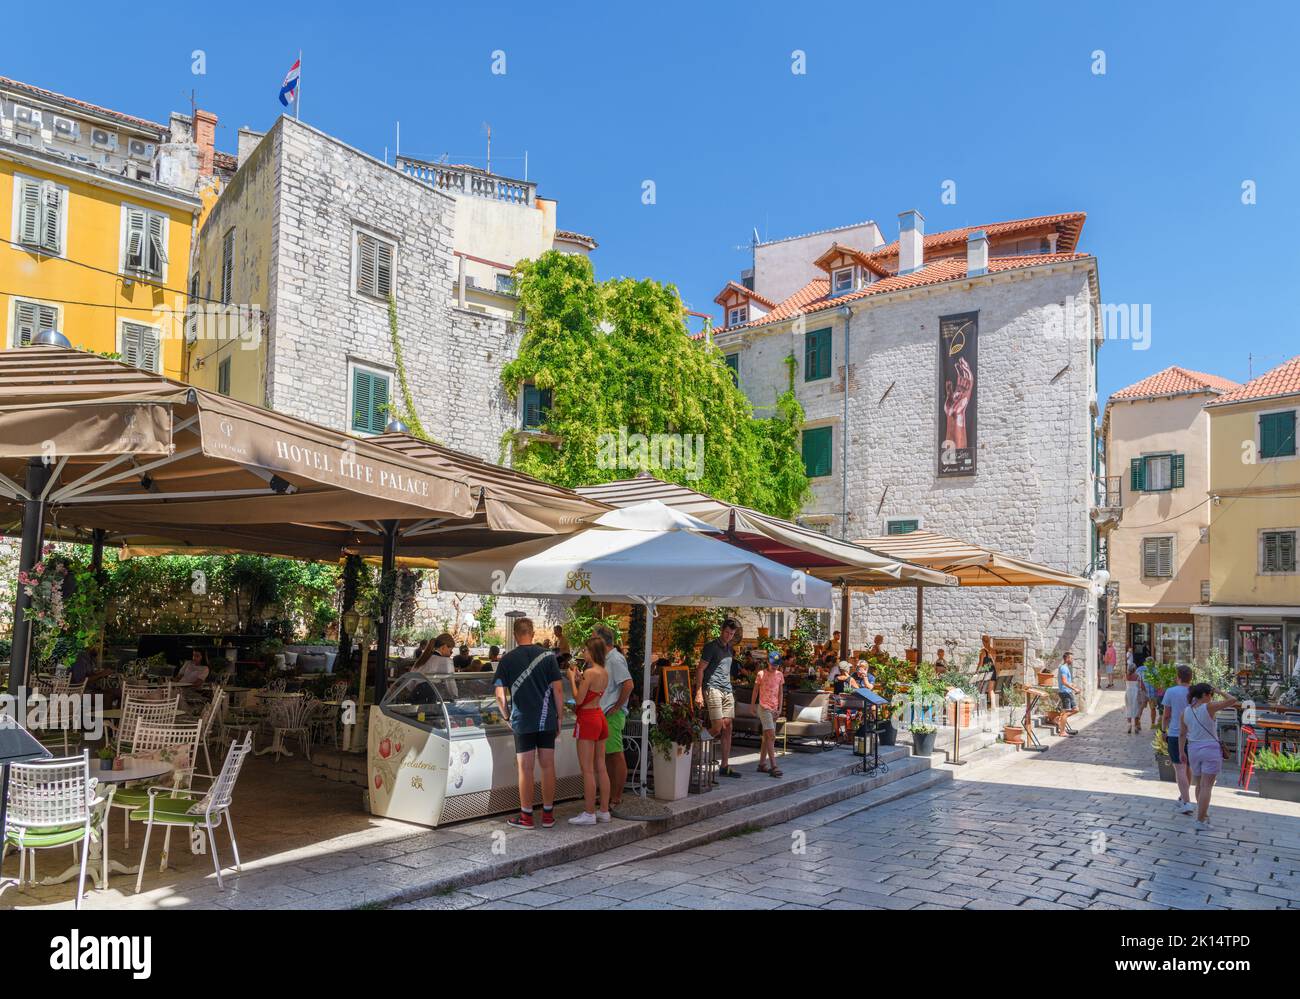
[[672, 774], [1279, 784], [889, 734], [923, 743], [1166, 768]]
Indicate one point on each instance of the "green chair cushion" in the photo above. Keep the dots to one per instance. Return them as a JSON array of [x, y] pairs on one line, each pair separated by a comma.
[[134, 797], [36, 839], [169, 811]]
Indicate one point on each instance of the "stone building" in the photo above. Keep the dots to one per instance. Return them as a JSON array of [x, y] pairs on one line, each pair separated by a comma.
[[1001, 455]]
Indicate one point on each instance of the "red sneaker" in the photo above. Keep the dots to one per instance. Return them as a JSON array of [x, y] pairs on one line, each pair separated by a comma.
[[548, 818], [524, 820]]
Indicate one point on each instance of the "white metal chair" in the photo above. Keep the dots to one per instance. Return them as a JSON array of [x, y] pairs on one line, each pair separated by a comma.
[[290, 717], [213, 718], [50, 807], [136, 713], [62, 728], [143, 691], [194, 810], [174, 739]]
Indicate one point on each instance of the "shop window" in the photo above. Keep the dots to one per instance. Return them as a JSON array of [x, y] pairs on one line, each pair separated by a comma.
[[817, 452], [1153, 473], [1259, 648], [1277, 434], [817, 355], [1173, 643]]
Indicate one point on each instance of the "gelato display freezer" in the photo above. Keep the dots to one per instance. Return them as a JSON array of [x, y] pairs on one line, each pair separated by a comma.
[[439, 751]]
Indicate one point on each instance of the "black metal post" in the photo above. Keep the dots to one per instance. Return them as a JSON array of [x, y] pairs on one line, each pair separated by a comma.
[[844, 619], [385, 628], [38, 474], [351, 570], [97, 550], [920, 622]]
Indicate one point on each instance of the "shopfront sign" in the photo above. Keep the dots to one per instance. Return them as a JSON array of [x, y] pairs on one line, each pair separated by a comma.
[[958, 393], [1009, 656]]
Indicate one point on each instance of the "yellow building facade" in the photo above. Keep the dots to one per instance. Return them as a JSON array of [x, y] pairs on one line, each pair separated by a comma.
[[1255, 521], [95, 246]]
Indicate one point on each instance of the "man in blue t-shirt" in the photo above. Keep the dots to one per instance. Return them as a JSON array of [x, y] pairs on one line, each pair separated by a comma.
[[1172, 704], [1066, 691], [531, 675]]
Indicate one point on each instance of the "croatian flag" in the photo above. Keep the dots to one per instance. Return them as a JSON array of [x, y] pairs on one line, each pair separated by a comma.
[[289, 88]]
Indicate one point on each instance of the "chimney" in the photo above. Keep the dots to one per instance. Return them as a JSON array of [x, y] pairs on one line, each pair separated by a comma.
[[911, 232], [205, 137], [248, 141], [977, 253]]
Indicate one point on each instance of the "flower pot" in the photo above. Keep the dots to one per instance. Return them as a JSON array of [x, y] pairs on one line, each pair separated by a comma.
[[119, 763], [672, 774], [106, 764], [911, 655], [1281, 785], [923, 743], [1013, 735], [889, 734], [1046, 677], [1166, 768]]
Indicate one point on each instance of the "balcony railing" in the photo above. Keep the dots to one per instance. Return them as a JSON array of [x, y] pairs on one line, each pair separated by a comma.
[[1108, 504], [469, 180]]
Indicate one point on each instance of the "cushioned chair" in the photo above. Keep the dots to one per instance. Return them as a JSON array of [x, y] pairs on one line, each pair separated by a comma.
[[51, 806], [807, 718]]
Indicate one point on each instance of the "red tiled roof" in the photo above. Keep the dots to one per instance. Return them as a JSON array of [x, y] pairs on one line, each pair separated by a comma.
[[747, 292], [1282, 380], [51, 95], [815, 296], [1068, 225], [576, 237], [225, 161], [1174, 380]]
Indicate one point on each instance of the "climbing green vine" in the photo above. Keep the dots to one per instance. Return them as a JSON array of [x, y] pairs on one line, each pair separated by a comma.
[[407, 413], [619, 363]]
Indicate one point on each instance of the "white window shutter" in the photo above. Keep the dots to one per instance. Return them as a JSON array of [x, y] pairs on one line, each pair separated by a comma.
[[384, 270], [29, 218], [156, 232], [50, 221], [149, 348], [135, 238], [25, 322], [366, 264], [1166, 562], [131, 344]]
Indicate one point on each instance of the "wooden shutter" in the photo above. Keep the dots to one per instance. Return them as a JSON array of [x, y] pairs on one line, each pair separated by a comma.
[[30, 318], [227, 265], [1176, 471], [50, 218], [1157, 557], [223, 377], [901, 527], [369, 402], [158, 254], [140, 346], [817, 355], [135, 238], [1279, 551], [29, 215], [367, 264], [383, 269], [817, 452], [1137, 473], [1277, 435]]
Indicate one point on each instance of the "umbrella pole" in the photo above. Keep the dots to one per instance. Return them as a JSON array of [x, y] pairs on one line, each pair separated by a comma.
[[645, 689]]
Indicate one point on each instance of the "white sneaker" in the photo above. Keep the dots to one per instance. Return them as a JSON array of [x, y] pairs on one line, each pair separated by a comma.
[[1187, 808], [1201, 826], [604, 817], [585, 819]]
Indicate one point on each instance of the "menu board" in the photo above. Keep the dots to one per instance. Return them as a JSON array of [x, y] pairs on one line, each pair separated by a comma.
[[1009, 655]]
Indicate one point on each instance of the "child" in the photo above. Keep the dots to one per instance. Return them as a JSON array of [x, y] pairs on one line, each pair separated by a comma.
[[768, 686], [591, 731], [1198, 744], [1133, 698]]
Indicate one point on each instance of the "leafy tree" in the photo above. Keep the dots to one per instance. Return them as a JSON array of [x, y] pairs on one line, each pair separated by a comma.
[[616, 357]]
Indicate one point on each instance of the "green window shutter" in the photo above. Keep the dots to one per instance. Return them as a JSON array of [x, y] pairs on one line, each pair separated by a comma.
[[1176, 471], [1286, 551], [363, 401], [1277, 435], [223, 377], [817, 452], [901, 526], [227, 265], [1137, 473], [733, 363], [537, 404], [817, 355]]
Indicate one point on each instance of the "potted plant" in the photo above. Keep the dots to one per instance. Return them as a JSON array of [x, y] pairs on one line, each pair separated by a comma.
[[1013, 699], [1279, 775], [105, 755], [671, 738], [1163, 763], [1046, 674], [923, 739], [912, 653], [1050, 705]]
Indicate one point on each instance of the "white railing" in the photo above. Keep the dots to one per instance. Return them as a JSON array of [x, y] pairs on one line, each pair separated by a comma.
[[467, 180]]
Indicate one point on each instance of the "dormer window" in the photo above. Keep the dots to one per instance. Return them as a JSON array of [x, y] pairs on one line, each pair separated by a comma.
[[842, 281], [738, 315]]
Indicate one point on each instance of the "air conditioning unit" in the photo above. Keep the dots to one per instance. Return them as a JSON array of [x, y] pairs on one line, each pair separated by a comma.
[[27, 118], [66, 128], [138, 149], [102, 138]]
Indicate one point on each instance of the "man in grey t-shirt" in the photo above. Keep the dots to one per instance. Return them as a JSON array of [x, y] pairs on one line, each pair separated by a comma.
[[713, 690], [614, 703]]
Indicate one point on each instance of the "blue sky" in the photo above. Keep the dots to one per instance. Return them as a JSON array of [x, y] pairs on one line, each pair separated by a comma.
[[699, 97]]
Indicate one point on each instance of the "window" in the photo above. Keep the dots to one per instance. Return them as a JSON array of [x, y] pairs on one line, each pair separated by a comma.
[[733, 362], [369, 404], [227, 264], [374, 266], [30, 318], [738, 315], [1158, 556], [778, 624], [1153, 473], [39, 214], [842, 281], [817, 355], [144, 241], [901, 526], [140, 346], [817, 452], [536, 407], [1173, 643], [223, 376], [1277, 551], [506, 284], [1277, 434]]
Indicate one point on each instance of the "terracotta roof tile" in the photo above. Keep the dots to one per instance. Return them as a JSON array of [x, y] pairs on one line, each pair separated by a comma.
[[1068, 224], [576, 237], [1174, 380], [747, 292], [1282, 380], [51, 95]]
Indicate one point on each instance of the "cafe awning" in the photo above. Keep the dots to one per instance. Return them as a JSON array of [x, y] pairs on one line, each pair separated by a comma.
[[973, 565], [798, 547]]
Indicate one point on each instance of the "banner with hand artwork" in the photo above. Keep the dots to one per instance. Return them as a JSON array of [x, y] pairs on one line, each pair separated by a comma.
[[958, 367]]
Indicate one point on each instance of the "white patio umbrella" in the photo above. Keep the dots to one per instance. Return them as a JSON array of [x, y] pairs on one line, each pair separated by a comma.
[[653, 556]]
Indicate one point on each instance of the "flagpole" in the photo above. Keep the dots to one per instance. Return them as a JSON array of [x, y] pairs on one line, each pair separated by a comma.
[[297, 100]]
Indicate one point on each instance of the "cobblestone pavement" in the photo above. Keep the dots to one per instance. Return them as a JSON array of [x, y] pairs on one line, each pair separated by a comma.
[[1085, 825]]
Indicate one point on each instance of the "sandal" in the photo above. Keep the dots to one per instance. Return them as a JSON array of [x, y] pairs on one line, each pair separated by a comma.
[[775, 773], [763, 770]]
